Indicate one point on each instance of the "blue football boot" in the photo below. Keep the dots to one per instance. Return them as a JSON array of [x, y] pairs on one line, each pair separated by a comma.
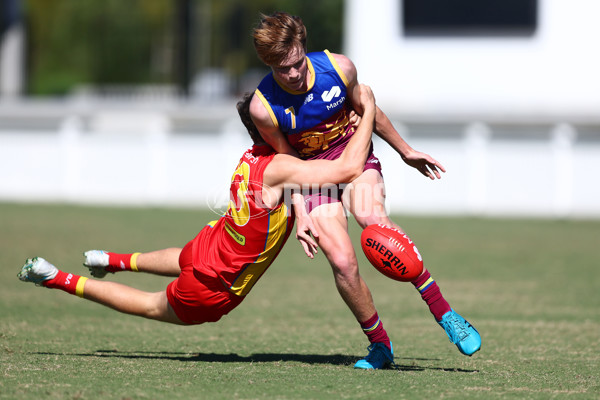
[[379, 357], [461, 333]]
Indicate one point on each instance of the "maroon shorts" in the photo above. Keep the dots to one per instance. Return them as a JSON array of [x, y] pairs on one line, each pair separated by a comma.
[[333, 194], [198, 295]]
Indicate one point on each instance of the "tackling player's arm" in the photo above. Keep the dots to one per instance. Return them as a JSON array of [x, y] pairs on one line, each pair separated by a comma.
[[384, 128], [286, 170]]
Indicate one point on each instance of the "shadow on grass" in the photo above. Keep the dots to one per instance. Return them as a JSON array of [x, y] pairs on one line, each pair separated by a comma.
[[413, 367], [333, 359]]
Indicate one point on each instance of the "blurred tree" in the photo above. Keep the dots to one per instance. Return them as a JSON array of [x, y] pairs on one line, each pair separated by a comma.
[[73, 42], [231, 44], [85, 41]]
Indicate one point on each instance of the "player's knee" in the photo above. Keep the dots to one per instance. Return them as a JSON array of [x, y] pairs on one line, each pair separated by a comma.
[[344, 264], [152, 312], [156, 307], [374, 218]]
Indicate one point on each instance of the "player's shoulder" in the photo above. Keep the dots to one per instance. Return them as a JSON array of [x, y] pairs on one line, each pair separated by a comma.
[[256, 104], [258, 110], [342, 60], [346, 65]]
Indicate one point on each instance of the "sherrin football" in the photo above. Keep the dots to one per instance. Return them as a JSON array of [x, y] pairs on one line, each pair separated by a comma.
[[391, 252]]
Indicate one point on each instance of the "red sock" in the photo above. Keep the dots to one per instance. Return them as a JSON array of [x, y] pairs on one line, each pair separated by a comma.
[[122, 262], [68, 282], [373, 328], [431, 294]]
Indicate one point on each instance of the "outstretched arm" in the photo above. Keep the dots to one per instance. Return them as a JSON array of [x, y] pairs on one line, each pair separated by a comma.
[[424, 163]]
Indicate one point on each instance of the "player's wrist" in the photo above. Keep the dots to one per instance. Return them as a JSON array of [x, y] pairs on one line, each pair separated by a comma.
[[406, 152]]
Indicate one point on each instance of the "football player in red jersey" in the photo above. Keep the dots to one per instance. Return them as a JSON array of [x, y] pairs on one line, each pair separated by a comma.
[[301, 108], [217, 269]]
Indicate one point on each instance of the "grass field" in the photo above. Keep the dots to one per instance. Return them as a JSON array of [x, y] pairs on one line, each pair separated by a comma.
[[531, 287]]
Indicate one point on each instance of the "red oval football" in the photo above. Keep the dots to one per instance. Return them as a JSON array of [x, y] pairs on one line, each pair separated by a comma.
[[391, 252]]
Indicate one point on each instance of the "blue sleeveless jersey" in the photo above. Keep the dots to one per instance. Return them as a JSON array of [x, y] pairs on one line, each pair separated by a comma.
[[315, 121]]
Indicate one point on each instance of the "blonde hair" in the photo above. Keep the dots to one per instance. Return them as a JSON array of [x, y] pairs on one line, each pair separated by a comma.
[[276, 35]]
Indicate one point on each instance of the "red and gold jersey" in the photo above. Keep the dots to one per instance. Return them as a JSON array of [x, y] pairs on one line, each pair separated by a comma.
[[244, 242]]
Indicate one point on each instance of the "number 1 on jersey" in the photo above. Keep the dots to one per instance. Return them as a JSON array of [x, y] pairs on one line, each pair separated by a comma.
[[292, 112]]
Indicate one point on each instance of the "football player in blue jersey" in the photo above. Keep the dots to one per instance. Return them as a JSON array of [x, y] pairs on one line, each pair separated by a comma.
[[303, 107]]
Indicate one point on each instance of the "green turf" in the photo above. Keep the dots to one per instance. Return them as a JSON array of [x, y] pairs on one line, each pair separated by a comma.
[[531, 287]]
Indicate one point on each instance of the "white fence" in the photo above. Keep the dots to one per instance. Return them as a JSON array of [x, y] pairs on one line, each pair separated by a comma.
[[183, 155]]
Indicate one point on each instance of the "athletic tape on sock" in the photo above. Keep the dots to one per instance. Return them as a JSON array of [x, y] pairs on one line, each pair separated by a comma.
[[133, 262], [80, 285]]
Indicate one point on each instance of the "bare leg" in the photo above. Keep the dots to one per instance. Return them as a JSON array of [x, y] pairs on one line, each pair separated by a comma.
[[365, 198], [110, 294], [161, 262], [331, 223], [132, 301]]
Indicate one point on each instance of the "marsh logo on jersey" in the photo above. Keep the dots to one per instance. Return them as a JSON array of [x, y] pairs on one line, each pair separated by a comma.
[[328, 95], [331, 94]]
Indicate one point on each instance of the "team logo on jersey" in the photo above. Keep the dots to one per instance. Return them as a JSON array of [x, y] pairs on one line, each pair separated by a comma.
[[330, 94], [318, 139], [239, 238]]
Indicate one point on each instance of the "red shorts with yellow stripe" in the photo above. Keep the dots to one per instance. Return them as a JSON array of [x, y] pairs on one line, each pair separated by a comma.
[[198, 295]]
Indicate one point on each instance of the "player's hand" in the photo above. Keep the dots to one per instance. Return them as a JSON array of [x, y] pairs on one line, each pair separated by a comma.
[[304, 229], [354, 119], [425, 164], [367, 98]]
